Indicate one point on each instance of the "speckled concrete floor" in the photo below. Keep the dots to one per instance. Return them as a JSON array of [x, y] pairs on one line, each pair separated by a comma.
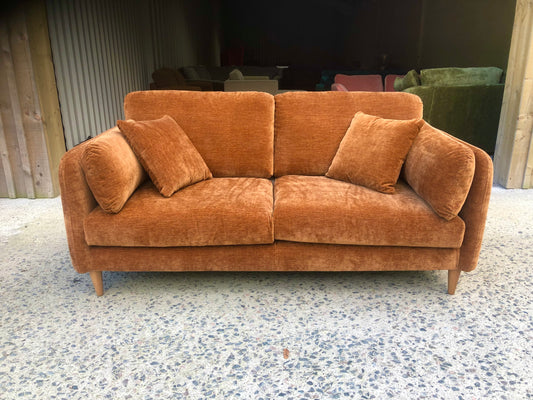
[[264, 335]]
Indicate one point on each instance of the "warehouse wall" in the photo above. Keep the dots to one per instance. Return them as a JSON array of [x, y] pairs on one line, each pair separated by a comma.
[[99, 56], [104, 49]]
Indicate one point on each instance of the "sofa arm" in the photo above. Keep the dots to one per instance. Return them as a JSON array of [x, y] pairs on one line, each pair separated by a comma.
[[474, 211], [77, 201], [455, 178]]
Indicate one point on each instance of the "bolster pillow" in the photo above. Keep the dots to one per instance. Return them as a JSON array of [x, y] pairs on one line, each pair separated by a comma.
[[112, 170], [440, 169]]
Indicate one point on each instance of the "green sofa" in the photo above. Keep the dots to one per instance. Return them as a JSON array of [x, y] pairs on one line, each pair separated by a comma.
[[465, 102]]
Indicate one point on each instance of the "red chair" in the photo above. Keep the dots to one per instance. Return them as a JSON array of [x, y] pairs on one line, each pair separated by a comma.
[[389, 82], [360, 83]]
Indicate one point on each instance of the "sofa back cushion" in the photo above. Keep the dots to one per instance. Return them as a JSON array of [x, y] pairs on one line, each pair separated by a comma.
[[310, 125], [233, 132]]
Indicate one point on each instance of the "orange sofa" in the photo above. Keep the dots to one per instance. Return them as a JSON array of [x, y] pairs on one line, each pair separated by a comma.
[[268, 205]]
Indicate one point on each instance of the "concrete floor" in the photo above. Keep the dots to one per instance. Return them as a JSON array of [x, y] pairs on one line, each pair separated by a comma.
[[264, 335]]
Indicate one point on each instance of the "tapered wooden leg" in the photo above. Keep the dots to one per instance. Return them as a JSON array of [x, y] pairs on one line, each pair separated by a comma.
[[98, 283], [453, 278]]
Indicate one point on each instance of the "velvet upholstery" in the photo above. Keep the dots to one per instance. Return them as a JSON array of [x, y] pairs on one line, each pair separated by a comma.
[[446, 191], [408, 80], [280, 256], [294, 256], [315, 209], [236, 126], [111, 169], [373, 151], [166, 153], [309, 140], [470, 113], [310, 125], [220, 211], [452, 76], [77, 201], [475, 209]]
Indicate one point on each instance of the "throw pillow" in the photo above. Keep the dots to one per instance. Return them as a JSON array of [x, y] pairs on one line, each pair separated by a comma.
[[447, 190], [409, 80], [373, 151], [166, 153], [111, 170], [236, 75]]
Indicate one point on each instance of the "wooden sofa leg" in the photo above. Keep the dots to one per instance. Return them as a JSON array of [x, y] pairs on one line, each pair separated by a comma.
[[98, 283], [453, 278]]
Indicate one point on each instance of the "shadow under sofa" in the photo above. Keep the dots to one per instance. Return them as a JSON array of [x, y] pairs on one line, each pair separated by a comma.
[[269, 205]]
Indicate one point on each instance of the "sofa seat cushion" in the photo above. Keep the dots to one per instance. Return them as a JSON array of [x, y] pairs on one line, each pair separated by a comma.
[[316, 209], [220, 211]]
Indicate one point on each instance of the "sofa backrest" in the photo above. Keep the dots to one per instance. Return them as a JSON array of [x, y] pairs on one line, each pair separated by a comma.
[[460, 76], [234, 132], [309, 126]]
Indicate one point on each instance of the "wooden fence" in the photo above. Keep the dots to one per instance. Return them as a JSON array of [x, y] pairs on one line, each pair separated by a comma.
[[31, 134]]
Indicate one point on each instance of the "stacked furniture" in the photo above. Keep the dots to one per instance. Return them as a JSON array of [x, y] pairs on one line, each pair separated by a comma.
[[364, 83], [168, 78], [327, 77], [217, 75], [238, 82], [300, 181], [465, 102]]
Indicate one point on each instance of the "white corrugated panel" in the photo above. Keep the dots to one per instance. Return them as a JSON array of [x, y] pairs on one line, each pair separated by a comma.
[[99, 54]]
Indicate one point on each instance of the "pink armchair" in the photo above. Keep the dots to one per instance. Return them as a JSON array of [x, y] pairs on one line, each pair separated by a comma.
[[389, 82]]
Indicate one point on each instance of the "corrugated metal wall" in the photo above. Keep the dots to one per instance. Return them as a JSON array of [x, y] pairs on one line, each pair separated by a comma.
[[100, 50], [104, 49]]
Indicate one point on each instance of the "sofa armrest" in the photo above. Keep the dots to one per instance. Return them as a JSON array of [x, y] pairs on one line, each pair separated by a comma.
[[77, 201], [474, 211], [455, 178]]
